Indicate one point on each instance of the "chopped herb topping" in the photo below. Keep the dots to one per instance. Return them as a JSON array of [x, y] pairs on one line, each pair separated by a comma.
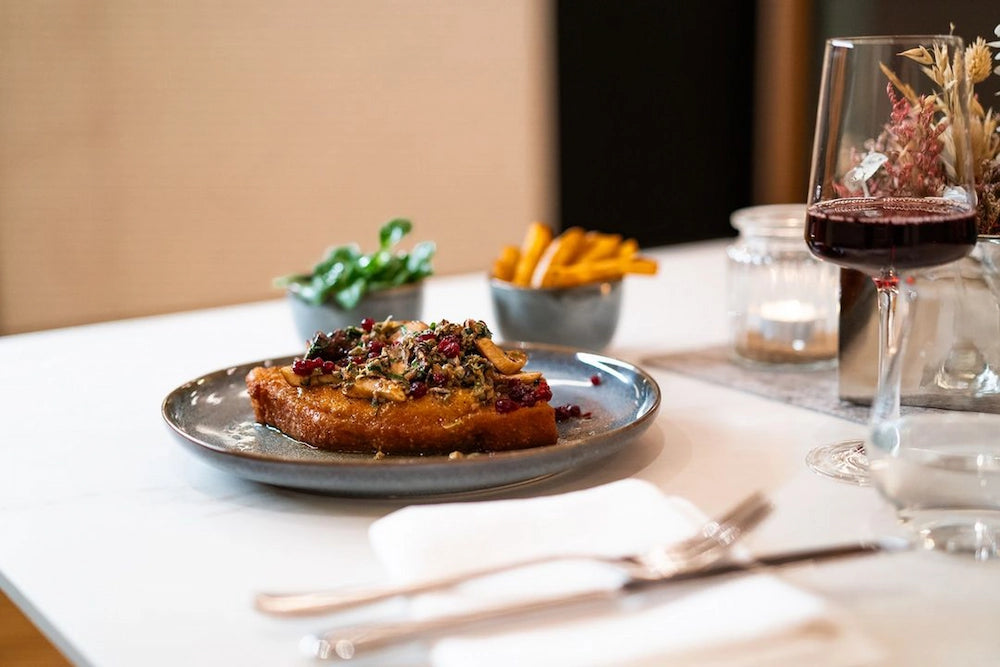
[[393, 360]]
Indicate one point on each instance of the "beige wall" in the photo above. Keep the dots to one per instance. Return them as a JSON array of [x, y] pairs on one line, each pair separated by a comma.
[[158, 155]]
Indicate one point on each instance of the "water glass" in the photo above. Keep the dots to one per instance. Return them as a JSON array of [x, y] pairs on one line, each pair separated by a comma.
[[941, 472]]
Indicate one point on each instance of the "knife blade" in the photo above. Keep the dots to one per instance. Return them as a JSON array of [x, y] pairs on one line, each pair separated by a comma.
[[776, 560], [348, 642]]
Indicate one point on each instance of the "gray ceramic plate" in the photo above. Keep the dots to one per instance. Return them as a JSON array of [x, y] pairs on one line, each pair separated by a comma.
[[212, 417]]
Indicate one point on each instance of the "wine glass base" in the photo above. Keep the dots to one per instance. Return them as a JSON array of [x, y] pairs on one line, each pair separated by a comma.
[[844, 461], [976, 536]]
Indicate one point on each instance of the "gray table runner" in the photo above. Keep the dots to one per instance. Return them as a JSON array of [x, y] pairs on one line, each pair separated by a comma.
[[815, 390]]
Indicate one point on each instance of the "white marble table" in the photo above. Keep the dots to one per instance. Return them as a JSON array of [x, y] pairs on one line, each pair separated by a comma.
[[126, 550]]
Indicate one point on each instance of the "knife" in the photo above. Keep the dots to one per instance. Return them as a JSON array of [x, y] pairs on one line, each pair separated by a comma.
[[348, 642]]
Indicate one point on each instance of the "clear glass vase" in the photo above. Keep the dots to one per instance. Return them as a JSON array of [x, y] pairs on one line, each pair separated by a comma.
[[953, 358]]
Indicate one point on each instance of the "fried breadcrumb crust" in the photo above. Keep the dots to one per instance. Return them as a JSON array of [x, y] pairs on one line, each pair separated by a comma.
[[325, 418]]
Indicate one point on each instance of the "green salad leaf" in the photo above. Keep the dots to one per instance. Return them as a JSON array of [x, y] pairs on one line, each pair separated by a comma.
[[345, 274]]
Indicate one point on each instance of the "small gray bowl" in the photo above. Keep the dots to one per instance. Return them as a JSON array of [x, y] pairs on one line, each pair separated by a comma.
[[584, 316], [401, 303]]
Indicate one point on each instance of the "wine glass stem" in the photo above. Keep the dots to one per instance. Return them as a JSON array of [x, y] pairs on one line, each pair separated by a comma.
[[894, 318]]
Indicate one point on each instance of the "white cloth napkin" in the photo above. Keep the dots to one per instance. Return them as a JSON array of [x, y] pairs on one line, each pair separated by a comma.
[[719, 620]]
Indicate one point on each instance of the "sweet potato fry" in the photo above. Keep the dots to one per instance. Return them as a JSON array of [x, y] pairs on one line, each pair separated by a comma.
[[560, 252], [535, 241], [643, 265], [575, 257], [581, 274], [601, 270], [506, 263], [629, 248], [599, 246]]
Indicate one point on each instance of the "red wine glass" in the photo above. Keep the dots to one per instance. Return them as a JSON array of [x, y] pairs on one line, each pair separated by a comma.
[[892, 187]]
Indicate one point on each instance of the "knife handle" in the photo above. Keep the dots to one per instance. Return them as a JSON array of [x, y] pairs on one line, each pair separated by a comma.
[[350, 642], [347, 643]]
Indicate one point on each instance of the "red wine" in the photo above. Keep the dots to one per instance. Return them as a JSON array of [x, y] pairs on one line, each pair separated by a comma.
[[872, 234]]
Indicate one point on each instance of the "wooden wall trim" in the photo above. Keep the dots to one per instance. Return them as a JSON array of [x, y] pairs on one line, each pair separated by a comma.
[[782, 117]]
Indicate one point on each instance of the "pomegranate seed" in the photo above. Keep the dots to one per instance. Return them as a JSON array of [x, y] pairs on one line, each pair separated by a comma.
[[329, 366], [418, 389], [505, 405], [301, 367], [595, 380], [450, 347], [565, 412], [367, 323], [374, 348], [543, 392], [520, 392]]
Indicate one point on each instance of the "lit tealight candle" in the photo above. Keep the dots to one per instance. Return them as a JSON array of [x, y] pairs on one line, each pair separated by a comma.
[[788, 320]]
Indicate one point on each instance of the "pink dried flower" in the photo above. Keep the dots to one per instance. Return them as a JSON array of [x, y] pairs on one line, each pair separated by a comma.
[[911, 142]]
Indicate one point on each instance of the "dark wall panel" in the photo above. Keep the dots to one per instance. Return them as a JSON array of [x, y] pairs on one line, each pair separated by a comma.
[[655, 107]]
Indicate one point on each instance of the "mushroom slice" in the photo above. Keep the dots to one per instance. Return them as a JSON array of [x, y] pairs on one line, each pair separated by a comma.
[[507, 363], [377, 388], [528, 377], [291, 377], [396, 329], [309, 380]]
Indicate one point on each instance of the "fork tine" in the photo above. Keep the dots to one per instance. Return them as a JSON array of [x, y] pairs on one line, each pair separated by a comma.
[[750, 515], [710, 544], [728, 527]]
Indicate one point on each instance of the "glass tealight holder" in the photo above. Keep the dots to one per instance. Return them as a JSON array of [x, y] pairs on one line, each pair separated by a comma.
[[783, 302]]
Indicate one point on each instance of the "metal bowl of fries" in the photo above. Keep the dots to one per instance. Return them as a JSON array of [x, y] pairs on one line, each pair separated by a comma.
[[564, 289], [585, 316]]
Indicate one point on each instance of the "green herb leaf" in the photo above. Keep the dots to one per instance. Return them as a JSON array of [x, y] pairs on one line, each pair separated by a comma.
[[345, 274], [347, 254], [419, 261], [348, 297], [392, 232]]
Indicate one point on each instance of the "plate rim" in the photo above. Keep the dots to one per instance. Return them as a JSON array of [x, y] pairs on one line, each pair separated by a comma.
[[367, 463]]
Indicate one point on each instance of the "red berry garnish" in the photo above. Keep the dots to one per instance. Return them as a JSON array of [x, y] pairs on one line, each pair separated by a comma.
[[418, 389], [367, 323], [301, 367], [505, 405], [565, 412], [374, 348], [543, 392], [595, 380], [521, 392], [450, 347]]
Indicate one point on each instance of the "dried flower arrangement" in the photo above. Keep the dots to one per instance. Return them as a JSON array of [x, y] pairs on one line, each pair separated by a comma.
[[915, 151], [984, 136]]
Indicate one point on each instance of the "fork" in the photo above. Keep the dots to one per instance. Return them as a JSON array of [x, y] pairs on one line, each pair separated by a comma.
[[711, 542], [345, 643]]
